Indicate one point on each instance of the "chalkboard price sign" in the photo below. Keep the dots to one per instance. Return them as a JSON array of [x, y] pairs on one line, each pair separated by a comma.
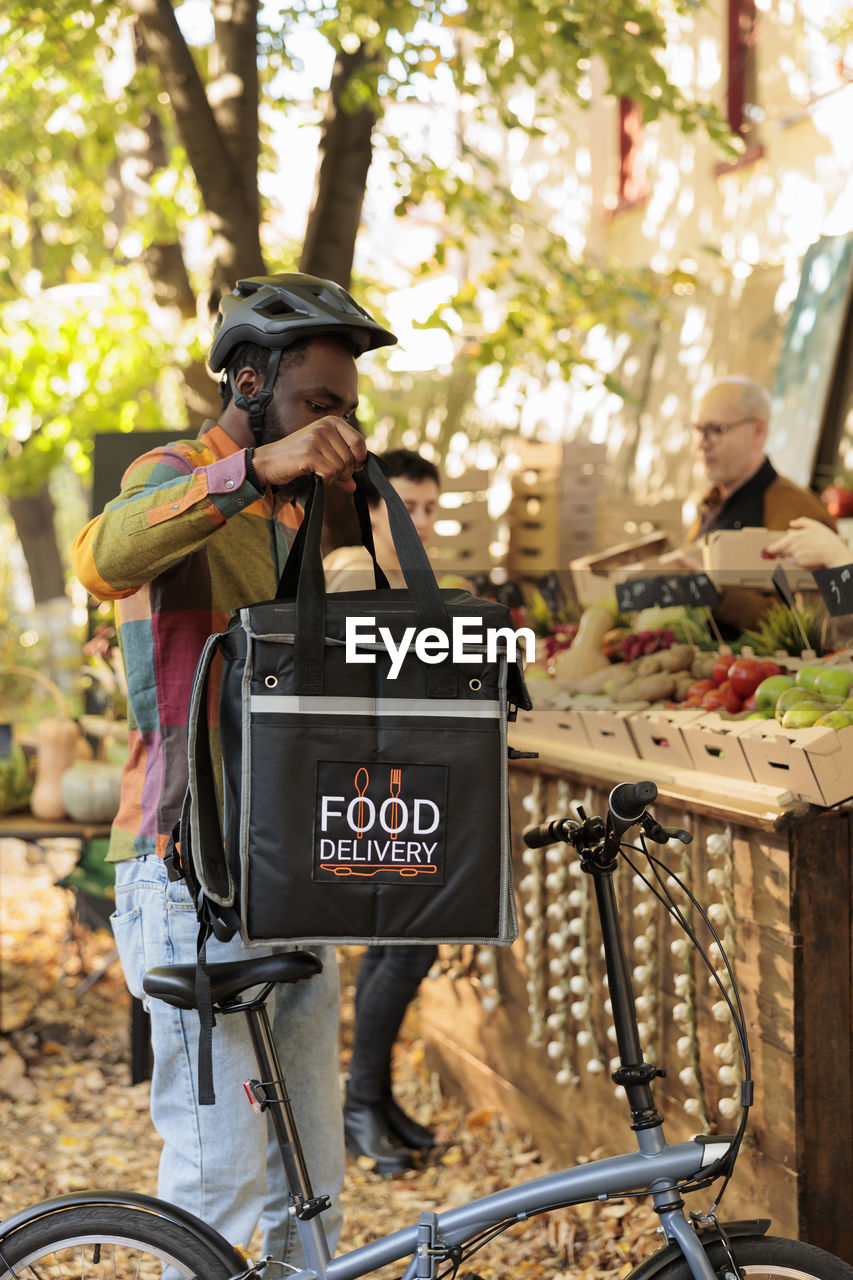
[[700, 590], [637, 594], [665, 590], [836, 588]]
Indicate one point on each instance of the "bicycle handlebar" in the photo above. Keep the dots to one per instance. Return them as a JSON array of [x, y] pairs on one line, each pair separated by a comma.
[[626, 806], [547, 833], [628, 800]]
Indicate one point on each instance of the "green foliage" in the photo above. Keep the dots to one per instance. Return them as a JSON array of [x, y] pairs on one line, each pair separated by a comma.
[[784, 628], [60, 209], [493, 49], [75, 211], [79, 360]]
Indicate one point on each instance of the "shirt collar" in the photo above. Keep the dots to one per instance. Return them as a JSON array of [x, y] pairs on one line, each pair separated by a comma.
[[756, 484], [218, 440]]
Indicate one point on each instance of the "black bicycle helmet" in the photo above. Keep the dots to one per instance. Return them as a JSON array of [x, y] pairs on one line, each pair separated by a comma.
[[276, 311]]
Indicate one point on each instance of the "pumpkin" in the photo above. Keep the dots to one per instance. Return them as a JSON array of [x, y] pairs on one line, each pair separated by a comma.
[[585, 657], [91, 790], [56, 744]]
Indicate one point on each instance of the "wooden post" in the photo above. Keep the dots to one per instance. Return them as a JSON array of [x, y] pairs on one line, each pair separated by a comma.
[[821, 907]]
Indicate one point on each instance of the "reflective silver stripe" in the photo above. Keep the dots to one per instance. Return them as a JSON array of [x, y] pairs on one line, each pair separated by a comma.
[[292, 704]]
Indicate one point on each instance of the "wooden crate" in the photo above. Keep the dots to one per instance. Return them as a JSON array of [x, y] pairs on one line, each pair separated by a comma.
[[553, 510], [464, 534], [621, 519]]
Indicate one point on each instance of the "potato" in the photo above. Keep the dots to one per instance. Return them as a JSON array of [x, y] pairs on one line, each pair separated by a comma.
[[684, 680], [702, 665], [595, 682], [626, 692], [656, 688], [652, 688], [621, 673], [678, 657], [649, 664]]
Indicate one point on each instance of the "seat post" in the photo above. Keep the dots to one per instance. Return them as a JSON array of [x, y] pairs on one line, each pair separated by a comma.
[[271, 1093]]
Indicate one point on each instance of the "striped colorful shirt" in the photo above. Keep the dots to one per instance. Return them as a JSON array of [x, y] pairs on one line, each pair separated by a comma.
[[188, 540]]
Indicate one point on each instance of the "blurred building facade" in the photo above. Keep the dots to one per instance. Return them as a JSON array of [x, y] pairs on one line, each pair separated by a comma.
[[765, 244]]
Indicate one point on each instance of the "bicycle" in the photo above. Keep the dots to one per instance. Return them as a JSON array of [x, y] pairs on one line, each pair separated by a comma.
[[130, 1235]]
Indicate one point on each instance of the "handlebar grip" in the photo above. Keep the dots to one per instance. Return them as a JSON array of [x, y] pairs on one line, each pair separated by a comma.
[[628, 800], [546, 833]]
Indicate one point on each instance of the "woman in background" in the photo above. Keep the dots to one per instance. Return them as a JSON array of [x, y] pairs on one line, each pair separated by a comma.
[[375, 1125]]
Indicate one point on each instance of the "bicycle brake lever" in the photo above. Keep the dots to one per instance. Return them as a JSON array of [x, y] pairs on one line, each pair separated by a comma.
[[662, 835]]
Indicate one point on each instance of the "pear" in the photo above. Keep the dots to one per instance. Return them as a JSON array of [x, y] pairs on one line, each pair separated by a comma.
[[837, 719], [790, 697], [803, 714]]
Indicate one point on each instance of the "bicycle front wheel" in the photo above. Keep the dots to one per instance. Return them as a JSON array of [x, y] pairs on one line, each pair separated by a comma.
[[111, 1242], [767, 1258]]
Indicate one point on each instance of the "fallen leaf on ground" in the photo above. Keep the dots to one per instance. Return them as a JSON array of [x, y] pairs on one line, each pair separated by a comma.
[[71, 1119]]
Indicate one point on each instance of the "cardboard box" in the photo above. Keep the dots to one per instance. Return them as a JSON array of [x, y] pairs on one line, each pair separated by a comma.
[[594, 575], [549, 726], [733, 558], [816, 764], [608, 726], [658, 735], [714, 746]]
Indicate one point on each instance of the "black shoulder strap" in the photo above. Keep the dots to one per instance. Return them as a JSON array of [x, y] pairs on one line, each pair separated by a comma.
[[206, 1020], [200, 858], [201, 830]]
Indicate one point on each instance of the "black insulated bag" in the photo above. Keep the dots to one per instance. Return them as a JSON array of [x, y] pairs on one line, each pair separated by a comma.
[[364, 788]]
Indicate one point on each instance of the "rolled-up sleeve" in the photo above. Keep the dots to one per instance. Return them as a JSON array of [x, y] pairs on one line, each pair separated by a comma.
[[172, 500]]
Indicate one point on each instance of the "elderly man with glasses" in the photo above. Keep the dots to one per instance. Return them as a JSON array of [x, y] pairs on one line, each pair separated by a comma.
[[730, 431]]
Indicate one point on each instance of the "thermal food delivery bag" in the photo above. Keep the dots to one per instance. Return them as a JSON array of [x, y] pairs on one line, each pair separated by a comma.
[[364, 758]]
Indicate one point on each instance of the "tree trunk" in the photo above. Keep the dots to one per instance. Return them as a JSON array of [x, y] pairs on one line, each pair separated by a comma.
[[230, 201], [330, 236], [164, 259], [346, 147], [33, 516], [233, 90]]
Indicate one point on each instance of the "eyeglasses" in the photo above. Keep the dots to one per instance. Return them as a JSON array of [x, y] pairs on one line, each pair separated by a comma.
[[710, 431]]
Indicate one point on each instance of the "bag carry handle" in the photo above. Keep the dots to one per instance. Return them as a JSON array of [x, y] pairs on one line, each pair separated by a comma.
[[303, 578], [289, 579]]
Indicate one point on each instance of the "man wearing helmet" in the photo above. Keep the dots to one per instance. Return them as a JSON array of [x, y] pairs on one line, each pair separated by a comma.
[[201, 528]]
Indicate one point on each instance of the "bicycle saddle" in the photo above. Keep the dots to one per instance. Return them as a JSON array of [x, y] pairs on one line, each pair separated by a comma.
[[175, 983]]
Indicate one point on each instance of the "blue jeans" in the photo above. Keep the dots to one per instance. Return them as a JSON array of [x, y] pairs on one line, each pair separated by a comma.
[[221, 1162]]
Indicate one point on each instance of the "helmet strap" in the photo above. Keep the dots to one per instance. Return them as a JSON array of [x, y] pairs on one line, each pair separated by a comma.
[[256, 406]]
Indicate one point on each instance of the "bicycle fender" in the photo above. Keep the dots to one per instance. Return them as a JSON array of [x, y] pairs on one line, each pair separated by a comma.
[[91, 1199], [655, 1263]]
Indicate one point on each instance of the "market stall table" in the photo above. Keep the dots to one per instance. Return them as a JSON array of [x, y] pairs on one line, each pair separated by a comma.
[[525, 1029]]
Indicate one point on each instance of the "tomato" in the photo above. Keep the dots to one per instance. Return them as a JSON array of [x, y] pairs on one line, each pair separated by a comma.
[[771, 668], [720, 669], [838, 500], [745, 675], [700, 687], [749, 704], [722, 700]]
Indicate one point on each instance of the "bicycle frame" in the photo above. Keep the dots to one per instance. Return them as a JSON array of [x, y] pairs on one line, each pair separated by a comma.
[[656, 1168]]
